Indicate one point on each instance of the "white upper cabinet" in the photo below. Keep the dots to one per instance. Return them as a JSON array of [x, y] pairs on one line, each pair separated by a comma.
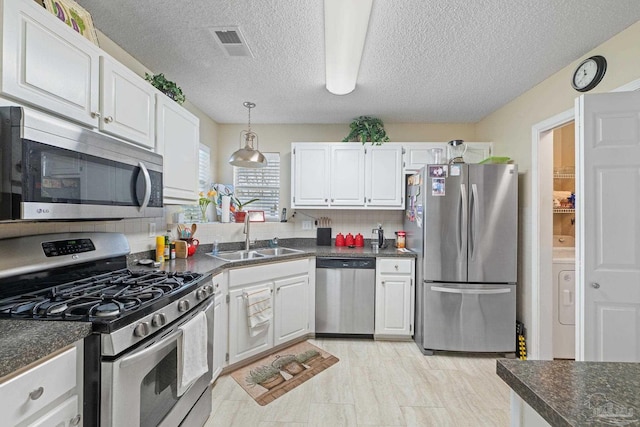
[[47, 64], [127, 104], [346, 176], [310, 175], [177, 139], [384, 183], [418, 154]]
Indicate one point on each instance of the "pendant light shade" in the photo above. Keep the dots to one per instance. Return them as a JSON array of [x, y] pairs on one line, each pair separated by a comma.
[[248, 156]]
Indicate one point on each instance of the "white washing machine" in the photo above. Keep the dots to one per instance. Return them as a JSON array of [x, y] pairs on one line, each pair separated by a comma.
[[564, 304]]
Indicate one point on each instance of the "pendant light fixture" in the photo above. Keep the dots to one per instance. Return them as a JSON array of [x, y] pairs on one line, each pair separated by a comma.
[[248, 156]]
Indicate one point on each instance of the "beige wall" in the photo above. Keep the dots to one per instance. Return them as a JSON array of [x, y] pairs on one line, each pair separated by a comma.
[[510, 130]]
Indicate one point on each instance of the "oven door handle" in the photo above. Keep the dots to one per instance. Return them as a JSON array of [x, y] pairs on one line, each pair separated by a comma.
[[141, 354]]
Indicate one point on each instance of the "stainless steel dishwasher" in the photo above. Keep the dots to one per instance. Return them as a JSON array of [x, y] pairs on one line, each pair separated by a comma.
[[345, 297]]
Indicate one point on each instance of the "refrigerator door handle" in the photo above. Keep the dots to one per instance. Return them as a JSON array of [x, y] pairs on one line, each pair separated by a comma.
[[474, 220], [462, 217], [471, 291]]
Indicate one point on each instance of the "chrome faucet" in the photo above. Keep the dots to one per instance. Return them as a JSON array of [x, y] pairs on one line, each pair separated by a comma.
[[247, 241]]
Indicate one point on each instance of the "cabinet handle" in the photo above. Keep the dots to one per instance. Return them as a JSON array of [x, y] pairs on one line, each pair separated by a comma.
[[326, 200], [95, 114], [382, 282], [37, 393], [331, 200], [369, 199], [108, 119], [396, 266], [595, 285], [75, 420]]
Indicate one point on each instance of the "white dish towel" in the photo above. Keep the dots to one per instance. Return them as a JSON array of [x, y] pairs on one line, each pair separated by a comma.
[[258, 310], [192, 352]]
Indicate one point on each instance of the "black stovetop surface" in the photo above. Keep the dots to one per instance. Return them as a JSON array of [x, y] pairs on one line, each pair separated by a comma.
[[104, 292]]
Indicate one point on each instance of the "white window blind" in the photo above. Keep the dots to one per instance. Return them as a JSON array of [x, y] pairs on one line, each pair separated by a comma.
[[263, 183], [204, 168]]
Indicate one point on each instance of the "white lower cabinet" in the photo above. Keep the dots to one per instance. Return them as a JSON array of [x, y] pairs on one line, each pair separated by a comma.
[[394, 297], [49, 394], [291, 304], [220, 323], [291, 314]]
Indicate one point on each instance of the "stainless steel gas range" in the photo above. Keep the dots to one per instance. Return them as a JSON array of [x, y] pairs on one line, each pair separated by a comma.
[[134, 373]]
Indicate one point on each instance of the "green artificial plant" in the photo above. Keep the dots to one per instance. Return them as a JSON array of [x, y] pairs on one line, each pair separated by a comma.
[[367, 129], [169, 88]]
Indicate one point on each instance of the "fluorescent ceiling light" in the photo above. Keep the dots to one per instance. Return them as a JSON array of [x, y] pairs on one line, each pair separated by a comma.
[[345, 30]]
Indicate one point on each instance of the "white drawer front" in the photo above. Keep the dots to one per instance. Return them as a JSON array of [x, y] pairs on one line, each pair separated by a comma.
[[265, 272], [67, 414], [395, 265], [21, 396]]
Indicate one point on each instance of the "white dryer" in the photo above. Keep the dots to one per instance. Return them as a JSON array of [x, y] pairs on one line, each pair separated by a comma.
[[564, 305]]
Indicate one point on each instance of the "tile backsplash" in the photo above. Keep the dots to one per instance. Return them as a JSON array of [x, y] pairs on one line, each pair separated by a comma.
[[137, 230]]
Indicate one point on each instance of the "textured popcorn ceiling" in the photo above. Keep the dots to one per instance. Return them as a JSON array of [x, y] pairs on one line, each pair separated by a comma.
[[424, 60]]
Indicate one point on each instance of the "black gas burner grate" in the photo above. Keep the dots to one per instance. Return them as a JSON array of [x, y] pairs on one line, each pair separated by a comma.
[[102, 296]]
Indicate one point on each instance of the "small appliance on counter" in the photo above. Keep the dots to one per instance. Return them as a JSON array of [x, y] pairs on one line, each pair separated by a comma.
[[377, 238]]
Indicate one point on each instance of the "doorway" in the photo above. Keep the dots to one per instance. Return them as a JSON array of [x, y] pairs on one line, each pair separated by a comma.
[[540, 331]]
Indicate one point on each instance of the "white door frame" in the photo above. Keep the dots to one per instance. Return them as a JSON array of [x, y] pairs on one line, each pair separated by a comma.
[[540, 331]]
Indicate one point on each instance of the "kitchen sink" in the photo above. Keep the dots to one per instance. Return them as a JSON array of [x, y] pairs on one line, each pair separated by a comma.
[[277, 251], [232, 256], [237, 255]]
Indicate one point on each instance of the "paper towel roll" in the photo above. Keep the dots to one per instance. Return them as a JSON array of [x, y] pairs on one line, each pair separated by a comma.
[[224, 208]]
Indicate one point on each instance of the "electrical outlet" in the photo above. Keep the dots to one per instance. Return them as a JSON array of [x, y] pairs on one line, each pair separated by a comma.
[[307, 225], [152, 229]]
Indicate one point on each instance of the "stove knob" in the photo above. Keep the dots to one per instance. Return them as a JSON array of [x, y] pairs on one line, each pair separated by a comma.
[[159, 319], [141, 329], [183, 305], [201, 294], [209, 289]]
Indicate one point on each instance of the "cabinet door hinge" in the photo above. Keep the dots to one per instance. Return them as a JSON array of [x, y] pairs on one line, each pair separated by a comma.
[[404, 151], [294, 199], [226, 357], [365, 151], [410, 327], [228, 298], [294, 151], [404, 165]]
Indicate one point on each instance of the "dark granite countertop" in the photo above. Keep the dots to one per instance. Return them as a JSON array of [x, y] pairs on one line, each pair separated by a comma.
[[25, 341], [567, 393], [203, 263]]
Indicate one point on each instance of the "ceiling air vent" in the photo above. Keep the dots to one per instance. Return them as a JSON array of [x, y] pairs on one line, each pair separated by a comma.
[[231, 40]]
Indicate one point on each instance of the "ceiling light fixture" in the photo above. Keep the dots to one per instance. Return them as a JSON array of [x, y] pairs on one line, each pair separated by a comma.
[[345, 30], [247, 156]]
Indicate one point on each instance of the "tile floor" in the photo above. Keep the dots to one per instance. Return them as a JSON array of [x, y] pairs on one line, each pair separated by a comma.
[[377, 383]]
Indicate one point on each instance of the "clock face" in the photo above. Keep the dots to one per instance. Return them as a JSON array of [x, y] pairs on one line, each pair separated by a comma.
[[589, 73]]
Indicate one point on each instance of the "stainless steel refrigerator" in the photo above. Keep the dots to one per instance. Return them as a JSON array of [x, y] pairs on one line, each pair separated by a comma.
[[462, 220]]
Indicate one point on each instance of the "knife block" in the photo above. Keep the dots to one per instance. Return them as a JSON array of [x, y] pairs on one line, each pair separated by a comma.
[[323, 236]]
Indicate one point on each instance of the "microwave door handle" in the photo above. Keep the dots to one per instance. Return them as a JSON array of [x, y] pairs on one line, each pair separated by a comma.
[[147, 186], [141, 354]]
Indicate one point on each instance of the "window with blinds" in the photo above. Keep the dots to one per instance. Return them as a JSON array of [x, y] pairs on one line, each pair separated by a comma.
[[204, 168], [263, 183]]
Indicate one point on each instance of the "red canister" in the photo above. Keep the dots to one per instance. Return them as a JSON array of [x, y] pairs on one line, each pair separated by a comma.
[[359, 240], [349, 241], [339, 240]]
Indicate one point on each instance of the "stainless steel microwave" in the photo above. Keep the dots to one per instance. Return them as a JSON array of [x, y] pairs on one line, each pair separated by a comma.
[[51, 169]]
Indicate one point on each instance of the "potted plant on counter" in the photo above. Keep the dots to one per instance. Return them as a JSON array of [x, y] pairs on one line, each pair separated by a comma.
[[169, 88], [239, 212], [367, 129]]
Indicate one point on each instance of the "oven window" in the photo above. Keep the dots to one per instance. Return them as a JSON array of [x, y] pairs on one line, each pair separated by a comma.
[[158, 390], [58, 175]]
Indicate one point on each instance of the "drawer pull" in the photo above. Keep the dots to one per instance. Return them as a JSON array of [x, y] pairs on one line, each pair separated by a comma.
[[108, 119], [37, 393], [75, 420]]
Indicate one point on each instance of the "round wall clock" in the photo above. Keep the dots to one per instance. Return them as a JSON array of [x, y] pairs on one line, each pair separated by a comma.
[[589, 73]]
